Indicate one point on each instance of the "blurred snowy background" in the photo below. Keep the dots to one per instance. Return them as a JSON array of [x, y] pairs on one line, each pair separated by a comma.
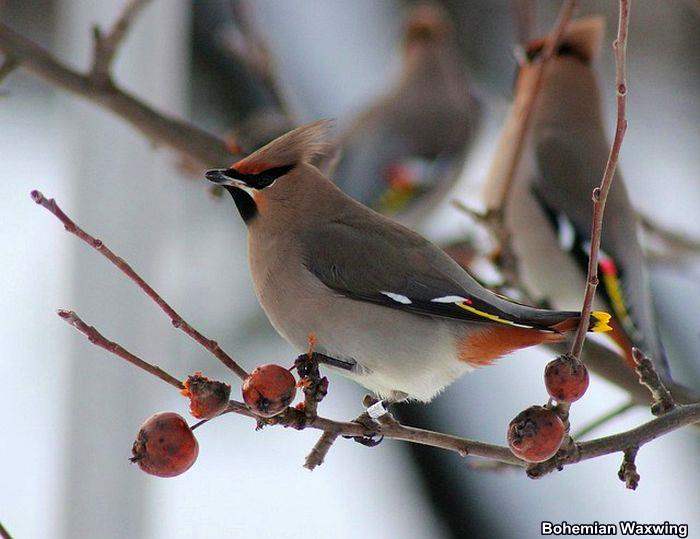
[[70, 411]]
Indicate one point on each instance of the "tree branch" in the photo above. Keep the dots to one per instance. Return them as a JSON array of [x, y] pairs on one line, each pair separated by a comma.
[[320, 450], [126, 269], [4, 534], [628, 471], [200, 146], [663, 400], [678, 417], [106, 45], [96, 338], [600, 194], [512, 144]]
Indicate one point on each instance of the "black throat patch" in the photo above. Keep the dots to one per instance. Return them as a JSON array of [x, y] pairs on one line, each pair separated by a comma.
[[245, 204]]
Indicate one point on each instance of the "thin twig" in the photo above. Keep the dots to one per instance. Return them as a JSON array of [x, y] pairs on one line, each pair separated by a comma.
[[314, 386], [320, 450], [161, 129], [628, 470], [512, 144], [106, 45], [96, 338], [4, 534], [126, 269], [663, 401], [600, 194]]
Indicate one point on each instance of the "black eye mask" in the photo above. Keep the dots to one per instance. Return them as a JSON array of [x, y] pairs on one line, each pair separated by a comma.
[[564, 49], [262, 179]]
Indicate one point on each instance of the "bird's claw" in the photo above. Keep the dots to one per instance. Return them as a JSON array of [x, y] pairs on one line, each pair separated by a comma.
[[371, 431]]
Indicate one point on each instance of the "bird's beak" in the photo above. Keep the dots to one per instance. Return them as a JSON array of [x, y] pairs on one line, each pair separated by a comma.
[[218, 176]]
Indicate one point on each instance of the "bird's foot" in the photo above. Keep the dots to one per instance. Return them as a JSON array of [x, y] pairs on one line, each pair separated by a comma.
[[371, 430], [376, 415], [378, 410]]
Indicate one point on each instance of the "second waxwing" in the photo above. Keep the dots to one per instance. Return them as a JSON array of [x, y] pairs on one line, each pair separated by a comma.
[[393, 311], [403, 153], [548, 209]]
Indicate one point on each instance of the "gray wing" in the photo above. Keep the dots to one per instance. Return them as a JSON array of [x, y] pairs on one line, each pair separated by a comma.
[[369, 258], [567, 177]]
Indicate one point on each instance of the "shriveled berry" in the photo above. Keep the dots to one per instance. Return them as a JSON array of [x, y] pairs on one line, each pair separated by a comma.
[[208, 398], [535, 434], [165, 446], [566, 379], [269, 389]]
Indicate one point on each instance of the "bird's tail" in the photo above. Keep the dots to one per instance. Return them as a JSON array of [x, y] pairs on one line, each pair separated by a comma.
[[599, 323]]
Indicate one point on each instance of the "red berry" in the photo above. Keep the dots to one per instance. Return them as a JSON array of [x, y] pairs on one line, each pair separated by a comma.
[[165, 446], [269, 390], [535, 434], [208, 398], [566, 379]]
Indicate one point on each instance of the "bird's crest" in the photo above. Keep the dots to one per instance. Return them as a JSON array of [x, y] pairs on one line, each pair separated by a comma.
[[299, 145]]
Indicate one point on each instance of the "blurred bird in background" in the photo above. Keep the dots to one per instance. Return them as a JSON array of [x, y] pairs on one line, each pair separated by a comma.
[[402, 155], [547, 209]]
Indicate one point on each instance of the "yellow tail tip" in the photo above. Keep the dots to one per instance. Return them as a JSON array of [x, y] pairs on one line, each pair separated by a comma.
[[601, 319]]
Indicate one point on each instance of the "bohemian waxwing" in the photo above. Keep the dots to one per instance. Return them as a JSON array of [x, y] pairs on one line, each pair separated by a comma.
[[402, 155], [548, 208], [396, 313]]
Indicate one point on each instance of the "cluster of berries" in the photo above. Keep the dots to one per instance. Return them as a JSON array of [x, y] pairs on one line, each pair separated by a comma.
[[536, 433], [166, 446]]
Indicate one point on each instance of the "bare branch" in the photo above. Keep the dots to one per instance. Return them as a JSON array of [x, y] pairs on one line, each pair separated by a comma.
[[314, 386], [126, 269], [676, 418], [320, 450], [663, 400], [628, 471], [200, 146], [4, 534], [600, 194], [96, 338], [106, 45], [512, 143]]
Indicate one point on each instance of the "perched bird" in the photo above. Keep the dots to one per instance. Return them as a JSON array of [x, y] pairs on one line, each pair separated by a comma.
[[548, 208], [403, 153], [395, 312]]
